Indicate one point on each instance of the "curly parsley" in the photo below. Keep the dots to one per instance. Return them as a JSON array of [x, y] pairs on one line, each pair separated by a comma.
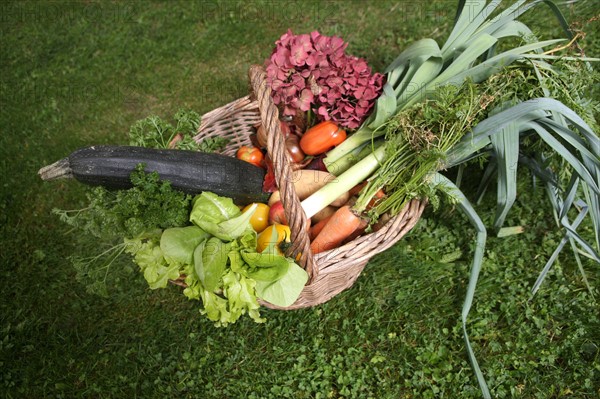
[[150, 204]]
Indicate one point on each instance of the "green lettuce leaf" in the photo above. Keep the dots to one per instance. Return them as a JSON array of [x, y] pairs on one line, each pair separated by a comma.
[[216, 309], [236, 227], [238, 298], [211, 209], [159, 275], [178, 243], [193, 289], [248, 240], [210, 262], [220, 217], [240, 293], [284, 291], [267, 266], [236, 262]]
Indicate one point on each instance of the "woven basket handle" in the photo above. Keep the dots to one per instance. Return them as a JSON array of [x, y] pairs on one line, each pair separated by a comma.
[[297, 220]]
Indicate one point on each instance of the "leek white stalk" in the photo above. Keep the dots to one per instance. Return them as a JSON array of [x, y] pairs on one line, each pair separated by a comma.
[[348, 146], [353, 176], [347, 161]]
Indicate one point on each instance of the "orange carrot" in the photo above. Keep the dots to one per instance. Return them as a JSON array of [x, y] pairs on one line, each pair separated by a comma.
[[341, 224], [317, 227], [359, 231]]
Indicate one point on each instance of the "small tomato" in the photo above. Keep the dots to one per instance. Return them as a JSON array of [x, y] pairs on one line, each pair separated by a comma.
[[251, 154], [276, 234], [260, 217], [321, 138]]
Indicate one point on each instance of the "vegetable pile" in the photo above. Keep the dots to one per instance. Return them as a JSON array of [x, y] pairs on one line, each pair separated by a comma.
[[217, 258], [204, 242], [362, 146]]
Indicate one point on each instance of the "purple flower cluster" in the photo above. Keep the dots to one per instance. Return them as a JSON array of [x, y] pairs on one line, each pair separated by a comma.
[[314, 72]]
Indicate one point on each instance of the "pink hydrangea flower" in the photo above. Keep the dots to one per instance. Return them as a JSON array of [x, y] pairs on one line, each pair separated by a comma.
[[313, 72]]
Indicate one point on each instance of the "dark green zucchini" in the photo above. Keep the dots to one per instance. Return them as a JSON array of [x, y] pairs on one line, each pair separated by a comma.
[[189, 171]]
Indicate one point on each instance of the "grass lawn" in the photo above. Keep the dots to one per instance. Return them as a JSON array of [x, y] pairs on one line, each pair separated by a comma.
[[80, 73]]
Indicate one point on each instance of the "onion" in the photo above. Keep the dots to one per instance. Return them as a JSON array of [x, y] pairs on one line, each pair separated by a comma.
[[292, 144]]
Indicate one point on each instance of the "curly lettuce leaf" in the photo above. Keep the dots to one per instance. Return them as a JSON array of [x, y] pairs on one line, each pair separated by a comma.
[[150, 258], [240, 293], [237, 299], [216, 309], [248, 240], [226, 294], [193, 289]]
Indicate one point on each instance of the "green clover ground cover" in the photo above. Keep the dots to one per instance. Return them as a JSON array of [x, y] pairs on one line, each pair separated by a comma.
[[75, 74]]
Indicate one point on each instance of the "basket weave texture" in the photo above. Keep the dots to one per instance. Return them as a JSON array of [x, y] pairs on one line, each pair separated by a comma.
[[329, 272]]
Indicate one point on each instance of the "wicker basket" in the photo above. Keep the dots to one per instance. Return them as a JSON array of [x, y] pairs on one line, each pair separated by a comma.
[[329, 272]]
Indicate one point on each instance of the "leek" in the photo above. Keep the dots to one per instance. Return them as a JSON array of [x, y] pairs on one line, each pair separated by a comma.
[[353, 176], [423, 67]]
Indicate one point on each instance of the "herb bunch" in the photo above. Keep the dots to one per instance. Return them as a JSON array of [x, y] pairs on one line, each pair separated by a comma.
[[417, 140], [154, 132], [150, 204]]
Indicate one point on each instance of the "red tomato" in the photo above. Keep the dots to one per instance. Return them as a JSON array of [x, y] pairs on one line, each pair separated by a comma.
[[321, 138], [251, 154]]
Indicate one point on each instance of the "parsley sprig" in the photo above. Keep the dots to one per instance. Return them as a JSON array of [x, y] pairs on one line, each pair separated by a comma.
[[149, 205], [154, 132]]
